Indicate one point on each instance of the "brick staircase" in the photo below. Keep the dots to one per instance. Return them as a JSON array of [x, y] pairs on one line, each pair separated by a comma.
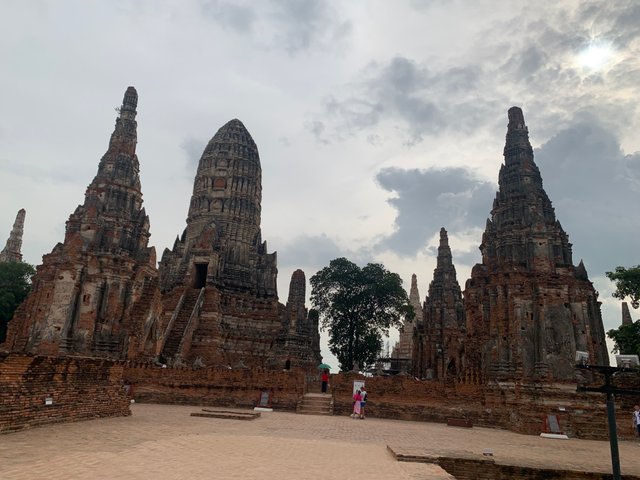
[[316, 404], [175, 336]]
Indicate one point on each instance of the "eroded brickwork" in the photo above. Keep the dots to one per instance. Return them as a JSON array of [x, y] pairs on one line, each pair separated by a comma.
[[215, 386], [36, 390], [517, 406], [94, 294], [528, 308]]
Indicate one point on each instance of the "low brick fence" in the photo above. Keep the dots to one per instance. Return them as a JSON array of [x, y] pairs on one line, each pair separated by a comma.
[[214, 386], [518, 407], [39, 390]]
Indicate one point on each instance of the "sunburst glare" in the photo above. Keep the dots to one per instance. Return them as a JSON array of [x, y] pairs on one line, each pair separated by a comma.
[[596, 56]]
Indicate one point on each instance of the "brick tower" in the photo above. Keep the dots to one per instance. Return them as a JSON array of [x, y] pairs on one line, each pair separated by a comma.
[[528, 308], [441, 334], [218, 282], [96, 293]]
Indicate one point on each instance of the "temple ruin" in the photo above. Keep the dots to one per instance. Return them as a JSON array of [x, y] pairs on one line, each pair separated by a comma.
[[218, 283], [213, 300], [210, 313], [438, 350], [402, 352], [528, 308], [95, 293]]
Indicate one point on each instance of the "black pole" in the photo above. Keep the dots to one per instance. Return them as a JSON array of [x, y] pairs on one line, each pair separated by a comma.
[[610, 390], [613, 433]]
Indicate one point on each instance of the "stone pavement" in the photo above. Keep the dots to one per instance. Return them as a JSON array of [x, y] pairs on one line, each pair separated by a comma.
[[165, 442]]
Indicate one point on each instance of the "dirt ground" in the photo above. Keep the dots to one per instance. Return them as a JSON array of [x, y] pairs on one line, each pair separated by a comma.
[[165, 442]]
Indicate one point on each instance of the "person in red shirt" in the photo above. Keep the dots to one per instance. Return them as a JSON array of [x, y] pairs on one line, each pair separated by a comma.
[[325, 380]]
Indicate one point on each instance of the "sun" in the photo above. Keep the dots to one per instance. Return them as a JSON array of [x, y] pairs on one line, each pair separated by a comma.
[[595, 56]]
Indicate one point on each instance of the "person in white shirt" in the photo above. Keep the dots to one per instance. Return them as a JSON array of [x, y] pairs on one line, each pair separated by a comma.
[[363, 401], [636, 419]]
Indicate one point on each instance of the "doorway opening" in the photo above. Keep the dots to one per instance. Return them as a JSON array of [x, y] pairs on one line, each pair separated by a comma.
[[200, 278]]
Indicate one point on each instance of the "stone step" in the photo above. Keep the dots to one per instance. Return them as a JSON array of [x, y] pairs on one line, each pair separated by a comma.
[[226, 414], [316, 401], [177, 332], [314, 412], [316, 404]]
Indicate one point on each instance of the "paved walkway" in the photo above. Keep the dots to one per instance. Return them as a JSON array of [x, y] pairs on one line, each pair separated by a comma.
[[164, 442]]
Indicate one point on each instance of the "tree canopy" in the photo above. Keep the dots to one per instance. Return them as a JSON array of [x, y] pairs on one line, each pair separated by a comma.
[[358, 306], [626, 339], [627, 282], [15, 283]]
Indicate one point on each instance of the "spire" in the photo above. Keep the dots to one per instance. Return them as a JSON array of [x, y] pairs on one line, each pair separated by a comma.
[[626, 314], [444, 252], [11, 251], [297, 288], [444, 287], [581, 272], [114, 197], [517, 141], [523, 232], [414, 298], [124, 136]]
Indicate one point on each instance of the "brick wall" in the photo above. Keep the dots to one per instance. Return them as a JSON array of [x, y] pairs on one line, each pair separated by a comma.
[[518, 407], [472, 469], [214, 386], [80, 389]]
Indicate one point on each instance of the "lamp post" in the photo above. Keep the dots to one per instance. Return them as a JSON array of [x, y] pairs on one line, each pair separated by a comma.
[[610, 390]]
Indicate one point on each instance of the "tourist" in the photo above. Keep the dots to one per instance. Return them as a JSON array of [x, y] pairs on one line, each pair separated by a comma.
[[363, 401], [636, 420], [357, 398], [325, 380]]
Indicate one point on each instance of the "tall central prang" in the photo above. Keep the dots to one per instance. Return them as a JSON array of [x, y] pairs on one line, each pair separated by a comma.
[[222, 243], [219, 283]]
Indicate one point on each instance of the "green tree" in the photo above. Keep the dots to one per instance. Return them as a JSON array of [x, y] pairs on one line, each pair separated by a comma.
[[15, 283], [358, 306], [626, 339], [627, 282]]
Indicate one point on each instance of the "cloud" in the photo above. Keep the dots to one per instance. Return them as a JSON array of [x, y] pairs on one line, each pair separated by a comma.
[[593, 183], [303, 24], [291, 25], [404, 91], [533, 62], [193, 148], [427, 200], [234, 16], [308, 251]]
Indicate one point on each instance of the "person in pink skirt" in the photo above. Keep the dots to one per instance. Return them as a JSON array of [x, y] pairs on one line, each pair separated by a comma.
[[357, 398]]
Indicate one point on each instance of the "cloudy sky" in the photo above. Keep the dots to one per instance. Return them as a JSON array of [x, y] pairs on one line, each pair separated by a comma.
[[377, 122]]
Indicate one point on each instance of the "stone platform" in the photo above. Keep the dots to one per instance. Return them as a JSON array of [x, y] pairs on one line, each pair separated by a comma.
[[165, 442], [226, 414]]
